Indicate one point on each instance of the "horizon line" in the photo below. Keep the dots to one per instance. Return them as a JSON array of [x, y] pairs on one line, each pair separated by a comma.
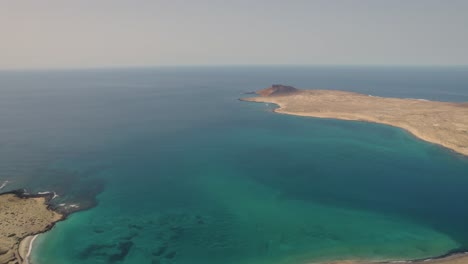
[[121, 67]]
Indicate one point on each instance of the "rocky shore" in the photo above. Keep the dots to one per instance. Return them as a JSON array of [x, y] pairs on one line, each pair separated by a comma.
[[22, 216]]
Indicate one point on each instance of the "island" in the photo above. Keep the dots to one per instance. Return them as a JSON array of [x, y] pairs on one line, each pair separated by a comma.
[[442, 123], [22, 217]]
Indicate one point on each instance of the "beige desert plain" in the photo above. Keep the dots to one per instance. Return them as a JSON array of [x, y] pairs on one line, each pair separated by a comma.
[[20, 219], [442, 123]]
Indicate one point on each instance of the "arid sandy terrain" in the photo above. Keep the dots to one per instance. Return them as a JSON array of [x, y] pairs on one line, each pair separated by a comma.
[[442, 123], [21, 218]]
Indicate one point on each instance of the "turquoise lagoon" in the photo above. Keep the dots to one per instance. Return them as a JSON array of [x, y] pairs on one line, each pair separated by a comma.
[[176, 170]]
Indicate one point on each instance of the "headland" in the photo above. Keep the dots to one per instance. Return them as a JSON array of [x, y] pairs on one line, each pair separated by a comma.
[[22, 217], [442, 123]]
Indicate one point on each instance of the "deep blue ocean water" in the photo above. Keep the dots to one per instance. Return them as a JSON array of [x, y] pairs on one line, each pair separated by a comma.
[[177, 170]]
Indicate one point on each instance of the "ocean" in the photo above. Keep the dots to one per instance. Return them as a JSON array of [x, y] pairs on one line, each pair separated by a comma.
[[171, 168]]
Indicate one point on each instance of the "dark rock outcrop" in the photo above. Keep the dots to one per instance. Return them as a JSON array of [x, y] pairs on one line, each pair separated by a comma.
[[277, 89]]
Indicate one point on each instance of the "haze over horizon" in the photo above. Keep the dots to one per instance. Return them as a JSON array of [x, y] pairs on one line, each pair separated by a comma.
[[77, 34]]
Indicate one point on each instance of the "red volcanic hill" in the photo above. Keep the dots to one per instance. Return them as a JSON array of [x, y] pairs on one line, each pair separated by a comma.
[[277, 89]]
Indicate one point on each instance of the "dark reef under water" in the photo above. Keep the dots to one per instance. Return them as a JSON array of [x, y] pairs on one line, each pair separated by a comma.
[[174, 169]]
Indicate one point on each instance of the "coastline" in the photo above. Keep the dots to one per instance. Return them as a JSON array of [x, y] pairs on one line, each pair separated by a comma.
[[25, 248], [441, 123], [350, 106], [451, 258], [37, 217], [410, 130], [455, 258]]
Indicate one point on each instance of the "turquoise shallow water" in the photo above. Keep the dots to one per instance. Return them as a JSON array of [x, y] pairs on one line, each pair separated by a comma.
[[183, 172]]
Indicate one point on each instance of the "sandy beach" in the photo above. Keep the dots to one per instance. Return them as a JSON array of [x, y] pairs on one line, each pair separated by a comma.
[[21, 219], [25, 248], [442, 123]]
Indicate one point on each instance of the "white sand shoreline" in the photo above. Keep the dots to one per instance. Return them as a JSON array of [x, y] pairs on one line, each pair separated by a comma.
[[441, 123], [26, 259], [25, 248], [23, 218]]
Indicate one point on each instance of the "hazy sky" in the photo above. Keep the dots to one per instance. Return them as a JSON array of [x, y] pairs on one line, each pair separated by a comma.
[[95, 33]]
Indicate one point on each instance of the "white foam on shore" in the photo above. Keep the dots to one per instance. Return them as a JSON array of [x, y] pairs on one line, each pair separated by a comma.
[[419, 99], [47, 192], [4, 184], [66, 206]]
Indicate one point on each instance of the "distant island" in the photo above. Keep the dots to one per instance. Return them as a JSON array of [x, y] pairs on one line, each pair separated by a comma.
[[22, 217], [442, 123]]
